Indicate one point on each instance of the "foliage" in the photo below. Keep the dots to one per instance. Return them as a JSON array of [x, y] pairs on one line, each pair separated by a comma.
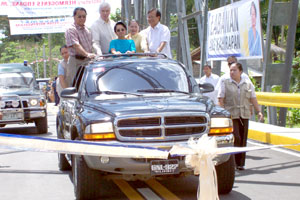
[[294, 113], [255, 83], [295, 79], [293, 116], [16, 51], [117, 16]]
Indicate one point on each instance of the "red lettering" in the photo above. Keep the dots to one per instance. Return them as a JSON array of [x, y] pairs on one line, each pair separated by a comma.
[[4, 3]]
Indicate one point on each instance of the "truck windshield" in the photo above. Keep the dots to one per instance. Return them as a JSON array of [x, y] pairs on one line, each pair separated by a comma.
[[16, 80], [139, 77]]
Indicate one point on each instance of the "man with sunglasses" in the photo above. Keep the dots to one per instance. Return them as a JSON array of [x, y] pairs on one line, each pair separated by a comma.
[[79, 41], [103, 30]]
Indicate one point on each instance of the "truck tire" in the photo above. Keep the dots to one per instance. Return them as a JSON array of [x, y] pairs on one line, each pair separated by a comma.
[[41, 125], [63, 163], [226, 176], [86, 181]]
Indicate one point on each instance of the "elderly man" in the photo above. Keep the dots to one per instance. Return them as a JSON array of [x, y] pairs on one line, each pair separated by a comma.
[[158, 35], [79, 41], [103, 30]]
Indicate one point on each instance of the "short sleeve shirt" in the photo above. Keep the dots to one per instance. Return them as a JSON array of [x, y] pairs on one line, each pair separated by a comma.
[[122, 45], [78, 35], [155, 36], [212, 79], [61, 70]]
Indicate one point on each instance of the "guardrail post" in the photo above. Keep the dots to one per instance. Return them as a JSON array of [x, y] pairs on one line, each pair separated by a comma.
[[271, 111]]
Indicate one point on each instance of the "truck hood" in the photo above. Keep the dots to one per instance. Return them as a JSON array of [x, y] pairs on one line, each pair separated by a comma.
[[141, 105]]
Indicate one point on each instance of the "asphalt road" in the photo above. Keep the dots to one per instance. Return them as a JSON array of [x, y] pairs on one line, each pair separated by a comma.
[[269, 174]]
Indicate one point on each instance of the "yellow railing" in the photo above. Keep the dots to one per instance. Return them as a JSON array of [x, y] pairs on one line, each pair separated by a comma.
[[288, 100]]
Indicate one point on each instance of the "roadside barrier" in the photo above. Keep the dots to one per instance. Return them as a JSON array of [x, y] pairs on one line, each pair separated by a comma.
[[287, 100]]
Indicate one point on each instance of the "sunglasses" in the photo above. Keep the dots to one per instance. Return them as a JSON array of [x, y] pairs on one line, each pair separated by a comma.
[[81, 16], [119, 30]]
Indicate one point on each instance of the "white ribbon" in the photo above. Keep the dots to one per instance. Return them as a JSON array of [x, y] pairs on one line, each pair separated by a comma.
[[199, 156], [110, 149]]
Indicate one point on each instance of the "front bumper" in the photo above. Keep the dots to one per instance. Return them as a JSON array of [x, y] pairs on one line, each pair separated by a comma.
[[18, 109], [141, 166], [12, 116]]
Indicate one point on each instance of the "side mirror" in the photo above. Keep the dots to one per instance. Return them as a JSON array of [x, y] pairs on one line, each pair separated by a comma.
[[69, 93], [206, 87]]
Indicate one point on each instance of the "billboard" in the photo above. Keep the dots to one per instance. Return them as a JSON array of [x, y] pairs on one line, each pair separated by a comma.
[[44, 8], [38, 26], [235, 30]]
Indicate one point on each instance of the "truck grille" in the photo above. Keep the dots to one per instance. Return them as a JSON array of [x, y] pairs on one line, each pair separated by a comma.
[[166, 127]]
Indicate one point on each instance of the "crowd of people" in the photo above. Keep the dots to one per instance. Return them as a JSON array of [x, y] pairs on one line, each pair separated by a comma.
[[233, 91], [108, 37]]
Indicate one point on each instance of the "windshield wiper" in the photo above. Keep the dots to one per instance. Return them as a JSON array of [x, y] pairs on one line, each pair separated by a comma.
[[114, 92], [15, 86], [161, 90]]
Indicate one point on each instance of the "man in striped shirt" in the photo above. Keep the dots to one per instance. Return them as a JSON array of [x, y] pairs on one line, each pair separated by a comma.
[[79, 41]]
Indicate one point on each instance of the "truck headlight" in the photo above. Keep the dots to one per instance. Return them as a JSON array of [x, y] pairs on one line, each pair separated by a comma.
[[220, 126], [15, 104], [33, 102], [99, 131]]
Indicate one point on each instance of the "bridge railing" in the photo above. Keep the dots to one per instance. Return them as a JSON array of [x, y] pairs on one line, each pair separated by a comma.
[[287, 100]]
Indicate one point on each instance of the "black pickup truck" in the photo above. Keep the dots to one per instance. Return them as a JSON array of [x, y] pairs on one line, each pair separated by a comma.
[[133, 100], [21, 101]]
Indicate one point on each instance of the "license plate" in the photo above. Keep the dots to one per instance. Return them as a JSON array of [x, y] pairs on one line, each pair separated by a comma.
[[12, 116], [161, 167]]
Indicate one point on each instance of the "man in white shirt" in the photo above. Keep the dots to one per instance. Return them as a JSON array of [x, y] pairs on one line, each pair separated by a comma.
[[212, 79], [158, 35], [103, 30]]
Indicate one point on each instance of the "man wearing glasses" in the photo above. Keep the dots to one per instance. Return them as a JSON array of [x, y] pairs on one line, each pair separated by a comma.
[[79, 41], [103, 30], [158, 35]]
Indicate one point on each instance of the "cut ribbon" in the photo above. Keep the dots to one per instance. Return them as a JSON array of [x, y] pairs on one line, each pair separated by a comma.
[[110, 149], [199, 156]]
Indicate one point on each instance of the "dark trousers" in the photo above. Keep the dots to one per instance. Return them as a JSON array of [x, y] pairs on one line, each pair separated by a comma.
[[240, 132]]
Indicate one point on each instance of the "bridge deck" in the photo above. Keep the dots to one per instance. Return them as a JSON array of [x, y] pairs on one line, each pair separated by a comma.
[[275, 135]]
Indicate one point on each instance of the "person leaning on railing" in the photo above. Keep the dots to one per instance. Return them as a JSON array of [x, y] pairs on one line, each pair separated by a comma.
[[79, 41], [237, 95]]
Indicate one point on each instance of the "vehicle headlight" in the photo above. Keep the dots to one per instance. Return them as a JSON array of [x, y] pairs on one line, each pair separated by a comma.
[[15, 104], [220, 126], [36, 102], [33, 102], [99, 131]]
